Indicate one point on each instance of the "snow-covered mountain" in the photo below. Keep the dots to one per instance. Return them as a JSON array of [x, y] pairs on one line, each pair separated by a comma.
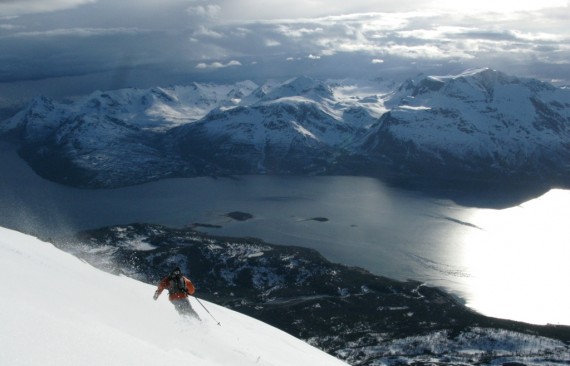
[[287, 135], [58, 310], [131, 136], [113, 138], [158, 108], [480, 125], [299, 126]]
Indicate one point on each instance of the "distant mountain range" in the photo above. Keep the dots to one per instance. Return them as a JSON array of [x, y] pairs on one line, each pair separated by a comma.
[[481, 125]]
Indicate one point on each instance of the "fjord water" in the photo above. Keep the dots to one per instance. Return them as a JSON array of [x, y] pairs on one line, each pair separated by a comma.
[[508, 263]]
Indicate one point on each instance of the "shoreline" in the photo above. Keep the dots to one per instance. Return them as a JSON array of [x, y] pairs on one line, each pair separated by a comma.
[[299, 291], [366, 237]]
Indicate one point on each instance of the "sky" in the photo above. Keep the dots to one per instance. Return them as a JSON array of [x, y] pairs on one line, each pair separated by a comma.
[[73, 46]]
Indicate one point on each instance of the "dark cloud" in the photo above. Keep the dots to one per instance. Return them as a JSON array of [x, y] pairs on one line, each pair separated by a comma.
[[73, 52], [135, 42]]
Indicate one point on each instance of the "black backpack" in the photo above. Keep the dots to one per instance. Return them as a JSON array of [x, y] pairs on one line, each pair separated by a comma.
[[177, 285]]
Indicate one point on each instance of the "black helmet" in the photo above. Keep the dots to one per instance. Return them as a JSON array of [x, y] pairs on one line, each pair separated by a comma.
[[176, 272]]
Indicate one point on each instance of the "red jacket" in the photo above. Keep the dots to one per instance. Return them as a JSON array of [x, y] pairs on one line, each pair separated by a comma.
[[175, 295]]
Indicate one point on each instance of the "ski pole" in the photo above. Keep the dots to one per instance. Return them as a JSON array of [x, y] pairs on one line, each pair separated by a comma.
[[200, 302]]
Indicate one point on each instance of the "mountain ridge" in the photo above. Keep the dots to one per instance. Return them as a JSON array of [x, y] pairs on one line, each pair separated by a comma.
[[479, 125]]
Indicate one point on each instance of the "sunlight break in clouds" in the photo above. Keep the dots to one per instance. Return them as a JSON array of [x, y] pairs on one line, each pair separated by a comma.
[[499, 5], [296, 9]]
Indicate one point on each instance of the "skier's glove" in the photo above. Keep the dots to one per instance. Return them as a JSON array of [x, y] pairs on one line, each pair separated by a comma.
[[155, 295]]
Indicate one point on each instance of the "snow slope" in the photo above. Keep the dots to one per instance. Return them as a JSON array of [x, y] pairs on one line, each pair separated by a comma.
[[58, 310]]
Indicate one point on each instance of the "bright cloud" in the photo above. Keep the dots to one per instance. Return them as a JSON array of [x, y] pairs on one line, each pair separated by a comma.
[[202, 31], [272, 43], [217, 65], [252, 10], [498, 6], [209, 11]]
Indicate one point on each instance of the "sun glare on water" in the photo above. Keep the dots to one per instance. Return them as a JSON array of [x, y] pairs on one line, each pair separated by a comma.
[[516, 257]]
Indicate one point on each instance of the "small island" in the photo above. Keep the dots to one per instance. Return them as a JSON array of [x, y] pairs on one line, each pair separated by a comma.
[[319, 219], [210, 226], [239, 216]]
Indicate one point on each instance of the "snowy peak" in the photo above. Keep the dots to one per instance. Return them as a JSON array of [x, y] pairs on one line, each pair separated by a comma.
[[158, 108], [302, 86], [487, 92], [483, 80], [485, 77], [162, 108], [482, 122], [283, 136], [163, 95], [482, 83], [39, 109], [469, 84], [275, 121]]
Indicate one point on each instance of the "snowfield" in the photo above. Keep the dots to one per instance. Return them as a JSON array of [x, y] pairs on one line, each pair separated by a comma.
[[57, 310]]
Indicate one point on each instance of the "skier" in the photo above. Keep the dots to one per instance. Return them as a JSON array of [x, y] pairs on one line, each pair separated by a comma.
[[179, 287]]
